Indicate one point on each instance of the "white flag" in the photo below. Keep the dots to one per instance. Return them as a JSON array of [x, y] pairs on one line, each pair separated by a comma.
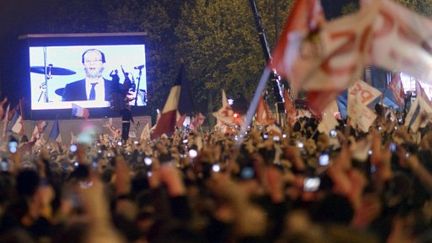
[[328, 121], [402, 41], [360, 95]]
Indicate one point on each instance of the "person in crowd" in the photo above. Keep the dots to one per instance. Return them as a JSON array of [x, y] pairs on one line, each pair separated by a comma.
[[298, 185]]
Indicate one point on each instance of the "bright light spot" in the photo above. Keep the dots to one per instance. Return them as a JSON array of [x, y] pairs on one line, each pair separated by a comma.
[[216, 168]]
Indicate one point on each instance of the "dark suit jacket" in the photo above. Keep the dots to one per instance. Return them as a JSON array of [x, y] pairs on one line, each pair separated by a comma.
[[76, 91]]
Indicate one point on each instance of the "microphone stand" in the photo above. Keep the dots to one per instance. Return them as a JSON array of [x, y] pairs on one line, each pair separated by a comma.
[[138, 85], [44, 85], [47, 72]]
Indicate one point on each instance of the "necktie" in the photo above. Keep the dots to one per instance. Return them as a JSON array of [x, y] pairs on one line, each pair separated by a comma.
[[92, 95]]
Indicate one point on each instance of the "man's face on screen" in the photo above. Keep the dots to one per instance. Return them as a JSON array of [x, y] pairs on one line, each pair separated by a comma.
[[93, 65]]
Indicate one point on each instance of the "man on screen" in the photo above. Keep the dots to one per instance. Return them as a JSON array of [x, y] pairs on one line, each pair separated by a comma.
[[94, 86]]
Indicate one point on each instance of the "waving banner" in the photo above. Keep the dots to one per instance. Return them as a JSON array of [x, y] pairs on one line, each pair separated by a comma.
[[360, 95]]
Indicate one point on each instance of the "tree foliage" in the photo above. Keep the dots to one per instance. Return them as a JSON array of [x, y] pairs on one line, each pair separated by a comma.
[[220, 45]]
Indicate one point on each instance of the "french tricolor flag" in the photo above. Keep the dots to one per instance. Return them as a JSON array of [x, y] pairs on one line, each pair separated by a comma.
[[79, 111], [55, 132], [179, 100]]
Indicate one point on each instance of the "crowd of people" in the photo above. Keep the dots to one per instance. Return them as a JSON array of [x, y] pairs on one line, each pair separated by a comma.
[[292, 184]]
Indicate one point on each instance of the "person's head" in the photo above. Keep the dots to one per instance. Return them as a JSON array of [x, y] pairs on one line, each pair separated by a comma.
[[93, 61]]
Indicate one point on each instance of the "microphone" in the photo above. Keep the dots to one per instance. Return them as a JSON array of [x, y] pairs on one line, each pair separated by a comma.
[[139, 67], [49, 70]]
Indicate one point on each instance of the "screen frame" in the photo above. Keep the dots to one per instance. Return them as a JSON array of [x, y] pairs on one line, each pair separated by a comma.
[[79, 39]]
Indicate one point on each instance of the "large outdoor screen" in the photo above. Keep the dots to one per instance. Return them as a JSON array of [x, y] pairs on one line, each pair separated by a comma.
[[86, 75]]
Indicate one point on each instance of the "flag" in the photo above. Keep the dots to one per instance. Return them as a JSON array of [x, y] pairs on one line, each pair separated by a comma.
[[73, 138], [419, 114], [331, 59], [360, 96], [168, 119], [197, 121], [225, 115], [264, 115], [55, 132], [365, 2], [401, 40], [2, 112], [6, 120], [79, 111], [145, 133], [299, 33], [226, 121], [397, 89], [180, 120], [392, 36], [421, 93], [328, 121], [38, 130], [344, 50], [290, 109], [16, 124]]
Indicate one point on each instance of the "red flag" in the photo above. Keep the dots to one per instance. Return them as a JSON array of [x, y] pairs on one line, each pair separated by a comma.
[[302, 25], [290, 108], [264, 115], [319, 100], [397, 89]]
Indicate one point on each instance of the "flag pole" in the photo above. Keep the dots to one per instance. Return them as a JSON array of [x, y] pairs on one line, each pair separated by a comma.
[[253, 105]]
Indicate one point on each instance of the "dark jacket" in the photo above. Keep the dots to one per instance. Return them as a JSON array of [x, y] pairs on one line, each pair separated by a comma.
[[76, 91]]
